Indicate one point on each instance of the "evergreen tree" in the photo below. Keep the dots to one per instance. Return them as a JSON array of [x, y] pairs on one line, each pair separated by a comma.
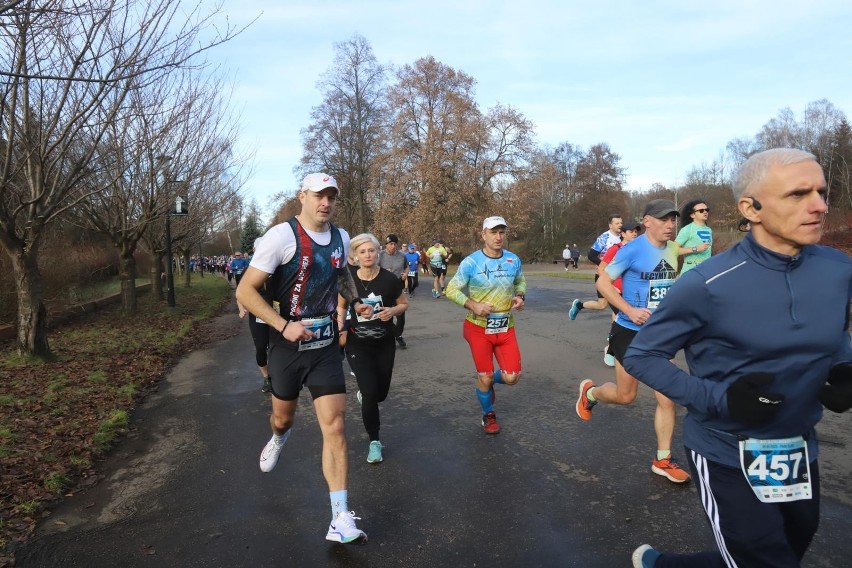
[[251, 229]]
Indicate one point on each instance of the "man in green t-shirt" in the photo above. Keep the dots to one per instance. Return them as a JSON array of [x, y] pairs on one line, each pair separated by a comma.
[[695, 239]]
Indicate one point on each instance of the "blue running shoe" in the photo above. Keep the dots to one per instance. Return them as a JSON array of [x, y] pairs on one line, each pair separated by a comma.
[[645, 557], [576, 306], [375, 453]]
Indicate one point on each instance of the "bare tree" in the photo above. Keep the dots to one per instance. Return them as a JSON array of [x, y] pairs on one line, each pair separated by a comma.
[[600, 170], [437, 128], [345, 135], [839, 169], [812, 133], [69, 67]]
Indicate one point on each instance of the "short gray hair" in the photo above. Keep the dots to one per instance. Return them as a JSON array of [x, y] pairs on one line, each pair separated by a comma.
[[359, 240], [753, 170]]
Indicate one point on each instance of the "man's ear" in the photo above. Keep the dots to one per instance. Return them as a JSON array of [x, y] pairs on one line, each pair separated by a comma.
[[750, 208]]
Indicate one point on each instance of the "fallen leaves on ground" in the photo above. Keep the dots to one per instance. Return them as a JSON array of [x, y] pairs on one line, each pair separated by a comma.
[[59, 417]]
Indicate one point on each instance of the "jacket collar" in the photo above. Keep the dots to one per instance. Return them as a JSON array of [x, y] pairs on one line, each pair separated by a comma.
[[770, 259]]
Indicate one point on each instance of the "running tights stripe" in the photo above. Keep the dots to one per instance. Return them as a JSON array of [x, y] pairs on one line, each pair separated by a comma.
[[710, 506]]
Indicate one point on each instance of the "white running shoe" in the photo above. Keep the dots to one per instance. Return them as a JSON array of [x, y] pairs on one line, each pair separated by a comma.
[[343, 529], [271, 451]]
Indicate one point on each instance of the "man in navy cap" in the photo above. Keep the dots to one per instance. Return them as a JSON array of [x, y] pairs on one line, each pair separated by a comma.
[[648, 267]]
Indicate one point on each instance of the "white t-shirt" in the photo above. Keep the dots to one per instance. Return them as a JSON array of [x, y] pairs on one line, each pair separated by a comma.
[[278, 246]]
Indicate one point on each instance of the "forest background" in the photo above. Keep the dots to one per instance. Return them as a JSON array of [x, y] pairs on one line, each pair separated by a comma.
[[110, 111], [97, 147]]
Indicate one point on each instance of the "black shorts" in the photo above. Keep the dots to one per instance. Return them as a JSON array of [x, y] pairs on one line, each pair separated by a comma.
[[321, 370], [619, 340], [436, 270]]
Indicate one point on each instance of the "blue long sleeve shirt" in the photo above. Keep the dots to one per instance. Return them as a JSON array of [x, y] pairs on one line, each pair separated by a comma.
[[748, 310]]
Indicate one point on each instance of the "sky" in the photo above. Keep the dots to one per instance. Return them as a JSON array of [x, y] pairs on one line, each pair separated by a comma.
[[665, 83]]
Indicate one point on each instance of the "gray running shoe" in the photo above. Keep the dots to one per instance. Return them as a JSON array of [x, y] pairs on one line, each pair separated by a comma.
[[644, 557]]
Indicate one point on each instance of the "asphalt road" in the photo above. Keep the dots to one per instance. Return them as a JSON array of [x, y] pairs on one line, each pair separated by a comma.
[[184, 489]]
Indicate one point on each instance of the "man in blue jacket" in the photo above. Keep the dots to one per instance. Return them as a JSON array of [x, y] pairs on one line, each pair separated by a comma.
[[238, 266], [764, 327]]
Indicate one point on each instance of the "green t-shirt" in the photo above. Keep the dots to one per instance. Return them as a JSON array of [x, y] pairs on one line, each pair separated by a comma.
[[693, 235]]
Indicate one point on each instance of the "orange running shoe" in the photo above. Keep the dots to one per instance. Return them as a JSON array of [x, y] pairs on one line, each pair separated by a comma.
[[668, 468], [584, 405], [489, 423]]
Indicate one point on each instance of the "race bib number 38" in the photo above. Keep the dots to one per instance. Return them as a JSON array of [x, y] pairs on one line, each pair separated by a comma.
[[777, 470], [657, 291]]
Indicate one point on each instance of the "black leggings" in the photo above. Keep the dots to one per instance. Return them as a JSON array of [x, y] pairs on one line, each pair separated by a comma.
[[372, 362], [399, 327], [260, 336]]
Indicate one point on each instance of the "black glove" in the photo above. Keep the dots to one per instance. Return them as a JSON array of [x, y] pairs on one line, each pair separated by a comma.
[[837, 394], [750, 403]]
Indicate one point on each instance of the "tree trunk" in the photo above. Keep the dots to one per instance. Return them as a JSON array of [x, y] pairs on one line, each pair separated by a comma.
[[127, 275], [157, 274], [32, 315], [186, 271]]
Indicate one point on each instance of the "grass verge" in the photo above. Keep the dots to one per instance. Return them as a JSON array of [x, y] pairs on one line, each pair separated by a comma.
[[59, 415]]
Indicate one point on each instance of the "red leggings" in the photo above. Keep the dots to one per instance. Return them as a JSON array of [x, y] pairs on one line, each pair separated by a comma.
[[484, 348]]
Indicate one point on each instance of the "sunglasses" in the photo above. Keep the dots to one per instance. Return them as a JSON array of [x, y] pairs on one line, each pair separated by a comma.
[[705, 210]]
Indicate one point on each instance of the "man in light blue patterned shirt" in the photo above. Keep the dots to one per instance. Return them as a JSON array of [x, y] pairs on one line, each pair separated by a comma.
[[495, 285]]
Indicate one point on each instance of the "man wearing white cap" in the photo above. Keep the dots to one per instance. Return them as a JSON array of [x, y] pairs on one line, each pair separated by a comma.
[[495, 286], [304, 259]]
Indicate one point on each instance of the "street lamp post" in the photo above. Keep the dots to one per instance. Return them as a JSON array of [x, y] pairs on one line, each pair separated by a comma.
[[170, 277], [180, 210]]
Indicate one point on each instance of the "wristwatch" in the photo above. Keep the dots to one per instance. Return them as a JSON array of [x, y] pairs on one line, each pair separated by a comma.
[[522, 297], [694, 249]]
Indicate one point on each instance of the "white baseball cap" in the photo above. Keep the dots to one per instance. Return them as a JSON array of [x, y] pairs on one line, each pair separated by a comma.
[[318, 182], [495, 221]]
